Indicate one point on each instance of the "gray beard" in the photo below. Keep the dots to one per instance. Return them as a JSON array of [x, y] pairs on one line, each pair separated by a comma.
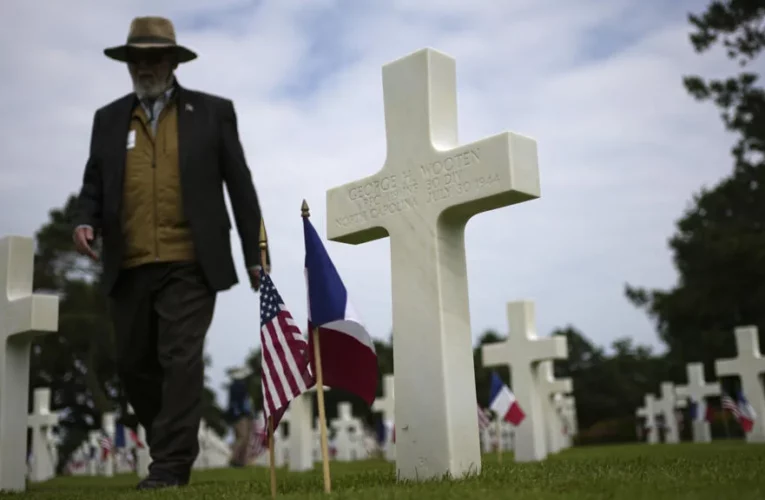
[[152, 91]]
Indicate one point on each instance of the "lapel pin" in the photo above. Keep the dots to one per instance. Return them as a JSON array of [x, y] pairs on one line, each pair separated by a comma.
[[189, 107]]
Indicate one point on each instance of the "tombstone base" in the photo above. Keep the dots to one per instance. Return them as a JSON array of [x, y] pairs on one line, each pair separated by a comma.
[[701, 432]]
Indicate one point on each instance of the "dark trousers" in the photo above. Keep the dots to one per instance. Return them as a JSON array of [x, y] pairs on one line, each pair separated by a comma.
[[161, 314]]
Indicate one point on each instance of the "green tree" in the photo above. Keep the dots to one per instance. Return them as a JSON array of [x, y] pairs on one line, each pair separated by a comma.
[[738, 26], [719, 243]]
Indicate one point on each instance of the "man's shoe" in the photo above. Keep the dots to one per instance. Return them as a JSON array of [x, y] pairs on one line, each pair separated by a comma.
[[158, 482]]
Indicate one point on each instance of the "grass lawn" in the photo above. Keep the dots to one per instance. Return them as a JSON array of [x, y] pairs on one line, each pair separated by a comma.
[[723, 470]]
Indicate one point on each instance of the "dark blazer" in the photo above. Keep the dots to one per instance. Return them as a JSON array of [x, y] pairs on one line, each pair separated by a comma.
[[209, 155]]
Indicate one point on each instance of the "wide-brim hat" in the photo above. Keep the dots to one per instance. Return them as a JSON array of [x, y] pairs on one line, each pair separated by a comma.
[[150, 32]]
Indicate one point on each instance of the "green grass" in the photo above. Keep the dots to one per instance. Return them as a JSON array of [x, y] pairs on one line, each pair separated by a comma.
[[723, 470]]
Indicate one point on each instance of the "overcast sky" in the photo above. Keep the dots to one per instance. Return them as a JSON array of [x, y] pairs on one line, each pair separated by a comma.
[[622, 147]]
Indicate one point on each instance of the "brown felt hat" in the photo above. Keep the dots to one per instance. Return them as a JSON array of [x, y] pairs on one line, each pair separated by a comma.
[[150, 33]]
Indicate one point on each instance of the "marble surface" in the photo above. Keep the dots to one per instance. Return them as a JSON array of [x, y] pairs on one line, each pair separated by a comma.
[[300, 437], [348, 435], [428, 188], [749, 366], [667, 406], [385, 404], [108, 424], [649, 411], [23, 316], [40, 421], [522, 352], [549, 388], [698, 390]]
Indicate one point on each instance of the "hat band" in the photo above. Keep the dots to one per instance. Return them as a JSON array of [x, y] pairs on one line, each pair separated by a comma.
[[151, 39]]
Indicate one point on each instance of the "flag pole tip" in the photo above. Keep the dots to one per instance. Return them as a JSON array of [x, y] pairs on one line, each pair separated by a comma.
[[304, 210], [263, 238]]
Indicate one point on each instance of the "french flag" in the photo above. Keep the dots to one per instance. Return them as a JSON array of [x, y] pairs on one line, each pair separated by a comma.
[[748, 415], [348, 357], [503, 402]]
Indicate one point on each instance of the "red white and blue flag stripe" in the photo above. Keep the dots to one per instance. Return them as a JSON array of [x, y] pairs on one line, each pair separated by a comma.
[[503, 402], [747, 415], [348, 356], [284, 360], [483, 418], [742, 410]]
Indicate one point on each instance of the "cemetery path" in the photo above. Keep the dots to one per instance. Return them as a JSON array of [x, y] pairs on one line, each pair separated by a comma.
[[684, 471]]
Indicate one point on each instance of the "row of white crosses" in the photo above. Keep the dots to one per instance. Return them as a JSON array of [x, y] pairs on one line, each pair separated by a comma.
[[44, 451], [44, 455], [530, 361], [422, 198], [748, 365], [299, 454], [23, 316]]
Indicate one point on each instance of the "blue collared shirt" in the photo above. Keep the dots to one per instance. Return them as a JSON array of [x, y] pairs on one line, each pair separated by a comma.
[[154, 109]]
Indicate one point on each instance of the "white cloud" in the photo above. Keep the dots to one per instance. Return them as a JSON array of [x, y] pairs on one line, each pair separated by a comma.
[[621, 145]]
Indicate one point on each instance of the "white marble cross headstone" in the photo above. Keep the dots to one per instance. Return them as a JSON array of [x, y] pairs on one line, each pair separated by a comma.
[[349, 437], [109, 428], [667, 406], [698, 390], [41, 421], [749, 366], [142, 452], [281, 446], [23, 316], [94, 456], [569, 412], [422, 198], [648, 412], [386, 405], [300, 439], [549, 386], [523, 352]]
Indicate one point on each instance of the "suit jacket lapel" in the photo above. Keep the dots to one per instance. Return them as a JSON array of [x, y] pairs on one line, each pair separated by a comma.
[[118, 144], [186, 128]]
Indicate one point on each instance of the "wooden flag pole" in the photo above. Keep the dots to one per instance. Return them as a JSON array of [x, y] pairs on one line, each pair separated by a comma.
[[305, 212], [264, 262], [272, 455]]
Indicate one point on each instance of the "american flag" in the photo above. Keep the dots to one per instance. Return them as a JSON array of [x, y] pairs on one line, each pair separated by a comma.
[[136, 439], [729, 404], [483, 419], [285, 360], [258, 438], [105, 444]]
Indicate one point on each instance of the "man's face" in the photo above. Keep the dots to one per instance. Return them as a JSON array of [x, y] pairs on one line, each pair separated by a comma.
[[151, 70]]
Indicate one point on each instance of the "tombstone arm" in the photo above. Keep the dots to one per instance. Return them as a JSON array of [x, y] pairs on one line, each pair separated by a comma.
[[557, 344], [513, 176], [89, 207], [353, 214], [493, 354]]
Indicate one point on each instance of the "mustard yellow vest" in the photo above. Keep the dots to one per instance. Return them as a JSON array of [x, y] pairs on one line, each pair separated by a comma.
[[153, 224]]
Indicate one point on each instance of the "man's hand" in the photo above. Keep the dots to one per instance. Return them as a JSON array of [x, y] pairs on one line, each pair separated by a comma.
[[254, 273], [83, 237]]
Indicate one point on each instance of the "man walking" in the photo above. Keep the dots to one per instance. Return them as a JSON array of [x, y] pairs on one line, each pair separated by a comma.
[[153, 191]]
